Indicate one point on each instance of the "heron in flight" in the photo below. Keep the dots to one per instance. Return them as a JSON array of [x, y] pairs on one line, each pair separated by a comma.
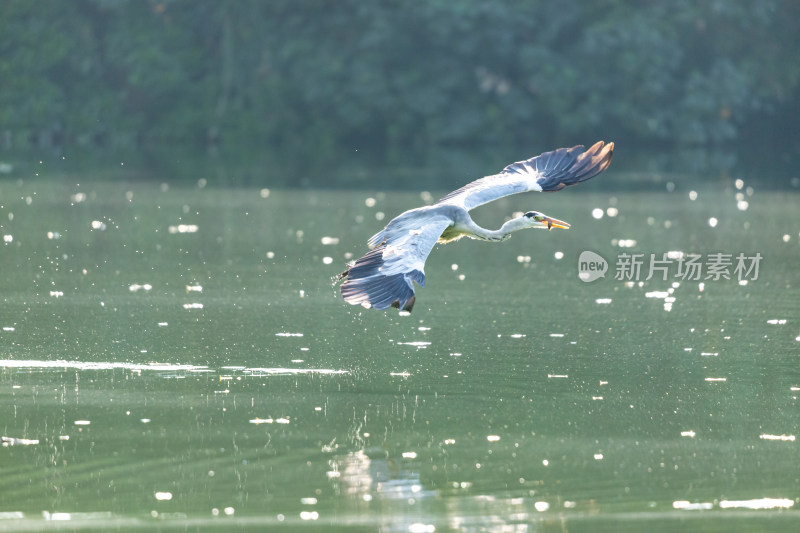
[[384, 277]]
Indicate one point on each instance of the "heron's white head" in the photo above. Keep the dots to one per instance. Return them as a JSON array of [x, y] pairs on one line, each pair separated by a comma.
[[540, 220]]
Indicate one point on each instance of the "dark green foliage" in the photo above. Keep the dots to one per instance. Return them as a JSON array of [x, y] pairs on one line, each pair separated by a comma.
[[311, 77]]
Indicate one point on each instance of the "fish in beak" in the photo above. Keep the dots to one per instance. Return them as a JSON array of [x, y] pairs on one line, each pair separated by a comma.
[[555, 223]]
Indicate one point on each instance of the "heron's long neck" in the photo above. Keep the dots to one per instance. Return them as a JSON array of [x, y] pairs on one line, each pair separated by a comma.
[[505, 231]]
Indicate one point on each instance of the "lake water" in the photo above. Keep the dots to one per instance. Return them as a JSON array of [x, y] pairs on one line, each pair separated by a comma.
[[176, 357]]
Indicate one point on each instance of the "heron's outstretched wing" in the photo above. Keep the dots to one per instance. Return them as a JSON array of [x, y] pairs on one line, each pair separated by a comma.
[[383, 278], [550, 171]]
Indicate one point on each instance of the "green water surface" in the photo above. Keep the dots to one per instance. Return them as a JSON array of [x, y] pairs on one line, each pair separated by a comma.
[[176, 357]]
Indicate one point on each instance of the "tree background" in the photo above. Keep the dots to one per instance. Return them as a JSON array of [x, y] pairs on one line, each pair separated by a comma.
[[323, 83]]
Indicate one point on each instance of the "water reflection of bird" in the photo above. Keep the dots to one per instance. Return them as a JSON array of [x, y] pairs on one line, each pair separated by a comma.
[[383, 277]]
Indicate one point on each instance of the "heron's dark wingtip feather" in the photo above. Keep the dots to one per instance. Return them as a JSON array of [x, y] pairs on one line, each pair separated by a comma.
[[366, 285], [576, 165], [410, 304], [380, 292]]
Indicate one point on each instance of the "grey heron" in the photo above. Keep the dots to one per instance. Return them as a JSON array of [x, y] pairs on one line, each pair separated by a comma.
[[385, 276]]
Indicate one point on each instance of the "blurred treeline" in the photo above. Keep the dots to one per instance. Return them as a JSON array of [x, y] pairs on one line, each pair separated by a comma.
[[310, 78]]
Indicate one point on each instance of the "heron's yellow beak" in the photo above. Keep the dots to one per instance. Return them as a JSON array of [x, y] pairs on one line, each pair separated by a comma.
[[555, 223]]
